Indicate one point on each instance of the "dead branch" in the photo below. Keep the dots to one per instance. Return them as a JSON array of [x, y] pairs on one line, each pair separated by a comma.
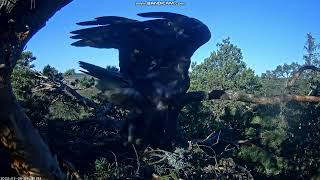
[[197, 96], [58, 86], [297, 74]]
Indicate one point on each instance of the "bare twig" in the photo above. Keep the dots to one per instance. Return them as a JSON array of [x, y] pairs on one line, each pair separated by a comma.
[[163, 158], [137, 158], [217, 138], [162, 154], [116, 161]]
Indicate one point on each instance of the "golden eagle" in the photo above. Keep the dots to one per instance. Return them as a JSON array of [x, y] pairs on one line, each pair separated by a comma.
[[154, 58]]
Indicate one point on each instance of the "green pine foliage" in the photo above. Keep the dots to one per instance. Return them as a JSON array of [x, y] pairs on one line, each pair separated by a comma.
[[269, 141], [42, 106], [283, 136]]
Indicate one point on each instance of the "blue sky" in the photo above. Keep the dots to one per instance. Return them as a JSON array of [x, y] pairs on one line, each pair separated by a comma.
[[269, 32]]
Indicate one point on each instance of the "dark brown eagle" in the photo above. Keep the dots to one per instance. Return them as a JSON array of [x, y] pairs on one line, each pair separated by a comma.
[[154, 58]]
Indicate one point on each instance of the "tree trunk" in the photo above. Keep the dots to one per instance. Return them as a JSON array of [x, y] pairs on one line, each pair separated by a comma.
[[19, 21]]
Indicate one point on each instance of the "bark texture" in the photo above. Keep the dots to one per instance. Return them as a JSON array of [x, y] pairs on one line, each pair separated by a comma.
[[19, 21]]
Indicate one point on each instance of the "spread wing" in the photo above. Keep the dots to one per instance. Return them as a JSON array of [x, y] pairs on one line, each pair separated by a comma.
[[115, 87], [141, 42], [107, 79]]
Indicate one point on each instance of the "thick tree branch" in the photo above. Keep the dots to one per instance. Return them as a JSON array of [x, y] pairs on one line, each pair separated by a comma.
[[25, 20], [297, 74], [19, 20], [197, 96], [250, 98]]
